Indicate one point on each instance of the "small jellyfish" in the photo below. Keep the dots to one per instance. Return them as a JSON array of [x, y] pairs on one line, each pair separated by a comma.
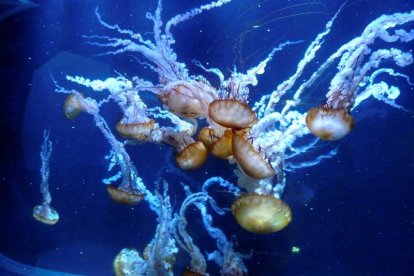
[[261, 214], [329, 123], [139, 131], [222, 148], [217, 141], [73, 106], [192, 156], [44, 212], [124, 195], [128, 262], [135, 123]]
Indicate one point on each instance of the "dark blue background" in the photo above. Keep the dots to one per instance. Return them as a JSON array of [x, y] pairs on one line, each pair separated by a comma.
[[353, 214]]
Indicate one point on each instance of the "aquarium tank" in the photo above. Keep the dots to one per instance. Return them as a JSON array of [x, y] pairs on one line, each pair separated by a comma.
[[207, 137]]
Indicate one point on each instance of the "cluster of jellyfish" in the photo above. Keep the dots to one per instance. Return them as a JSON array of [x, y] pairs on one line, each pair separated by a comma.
[[255, 138]]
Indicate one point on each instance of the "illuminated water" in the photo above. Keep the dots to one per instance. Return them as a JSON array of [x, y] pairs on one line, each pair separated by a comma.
[[353, 214]]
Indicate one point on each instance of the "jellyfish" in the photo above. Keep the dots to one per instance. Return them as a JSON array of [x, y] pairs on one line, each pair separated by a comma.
[[329, 123], [129, 262], [218, 141], [44, 212], [123, 196], [191, 154], [189, 99], [231, 109], [332, 121], [261, 214], [135, 123], [72, 107], [253, 162], [231, 113]]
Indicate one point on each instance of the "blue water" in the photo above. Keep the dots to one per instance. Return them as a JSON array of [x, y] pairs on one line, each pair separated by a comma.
[[353, 214]]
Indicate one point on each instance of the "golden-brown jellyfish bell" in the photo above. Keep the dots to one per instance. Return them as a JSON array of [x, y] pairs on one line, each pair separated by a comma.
[[126, 261], [328, 123], [222, 148], [137, 131], [261, 214], [253, 162], [123, 196], [45, 214], [192, 156], [72, 106], [231, 113], [218, 142], [189, 99], [208, 136]]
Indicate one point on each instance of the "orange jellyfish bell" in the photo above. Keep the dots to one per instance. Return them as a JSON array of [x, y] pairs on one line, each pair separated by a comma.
[[208, 136], [138, 131], [231, 113], [250, 160], [261, 214], [45, 214], [123, 196], [328, 123], [125, 262], [192, 156], [72, 106], [222, 148], [188, 99]]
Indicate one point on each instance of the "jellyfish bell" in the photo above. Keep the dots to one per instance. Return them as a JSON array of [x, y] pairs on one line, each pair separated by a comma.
[[188, 99], [328, 123], [45, 214], [126, 262], [231, 113], [208, 136], [123, 195], [73, 106], [222, 148], [261, 214], [192, 156], [253, 163], [137, 131]]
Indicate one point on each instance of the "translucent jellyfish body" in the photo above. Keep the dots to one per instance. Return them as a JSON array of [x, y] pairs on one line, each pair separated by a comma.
[[128, 262], [189, 99], [123, 195], [261, 214], [72, 106], [138, 131], [328, 123], [45, 214]]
